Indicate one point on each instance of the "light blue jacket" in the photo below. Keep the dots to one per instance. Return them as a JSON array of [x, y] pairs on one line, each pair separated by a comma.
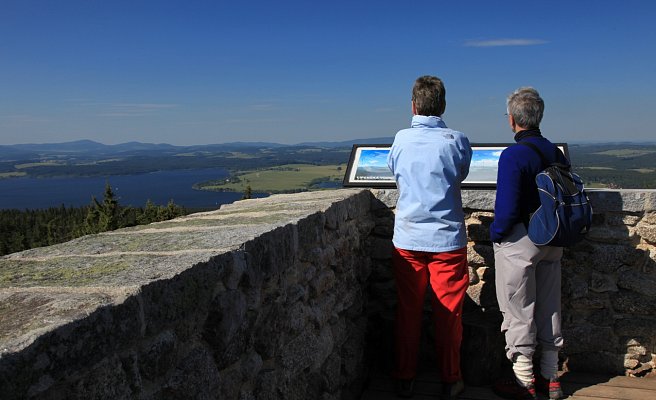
[[429, 161]]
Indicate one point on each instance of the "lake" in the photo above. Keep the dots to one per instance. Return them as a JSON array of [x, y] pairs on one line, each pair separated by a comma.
[[133, 190]]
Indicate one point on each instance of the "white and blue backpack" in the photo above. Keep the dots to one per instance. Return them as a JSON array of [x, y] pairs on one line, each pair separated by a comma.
[[565, 213]]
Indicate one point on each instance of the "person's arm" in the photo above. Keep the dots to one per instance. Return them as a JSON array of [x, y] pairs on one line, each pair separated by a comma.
[[507, 203], [390, 159], [467, 150]]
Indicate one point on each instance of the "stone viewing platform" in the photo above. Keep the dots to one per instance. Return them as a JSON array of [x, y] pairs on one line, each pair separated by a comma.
[[292, 297]]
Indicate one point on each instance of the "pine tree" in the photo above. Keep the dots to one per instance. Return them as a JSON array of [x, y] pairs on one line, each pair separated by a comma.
[[149, 213], [109, 211], [92, 218], [248, 193]]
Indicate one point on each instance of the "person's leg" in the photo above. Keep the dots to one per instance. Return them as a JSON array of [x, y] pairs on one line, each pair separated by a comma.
[[411, 276], [449, 279], [548, 310], [516, 294], [548, 320]]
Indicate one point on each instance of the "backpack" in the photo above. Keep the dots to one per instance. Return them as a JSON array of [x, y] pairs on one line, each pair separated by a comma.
[[565, 212]]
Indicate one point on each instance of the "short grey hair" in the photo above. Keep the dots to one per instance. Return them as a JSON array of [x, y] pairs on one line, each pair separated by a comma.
[[526, 106]]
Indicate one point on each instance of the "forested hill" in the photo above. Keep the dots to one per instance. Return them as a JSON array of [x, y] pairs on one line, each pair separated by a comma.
[[88, 158], [616, 165]]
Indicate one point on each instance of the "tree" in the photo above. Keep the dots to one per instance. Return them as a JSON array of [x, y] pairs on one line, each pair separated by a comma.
[[109, 211], [103, 216], [149, 213], [248, 193]]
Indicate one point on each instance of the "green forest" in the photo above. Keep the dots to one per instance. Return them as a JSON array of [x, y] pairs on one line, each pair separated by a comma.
[[26, 229], [615, 166], [608, 165]]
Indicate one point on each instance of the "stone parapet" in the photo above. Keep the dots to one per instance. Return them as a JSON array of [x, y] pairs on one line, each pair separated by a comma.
[[608, 286], [262, 299], [292, 297]]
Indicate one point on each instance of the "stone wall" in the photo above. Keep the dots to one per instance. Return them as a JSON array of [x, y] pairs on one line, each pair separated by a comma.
[[608, 288], [262, 299], [291, 297]]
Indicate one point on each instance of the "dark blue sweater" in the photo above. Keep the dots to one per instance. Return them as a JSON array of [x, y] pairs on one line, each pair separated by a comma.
[[517, 195]]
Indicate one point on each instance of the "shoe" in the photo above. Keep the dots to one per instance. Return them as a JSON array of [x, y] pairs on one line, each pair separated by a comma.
[[450, 391], [511, 389], [405, 388], [549, 386]]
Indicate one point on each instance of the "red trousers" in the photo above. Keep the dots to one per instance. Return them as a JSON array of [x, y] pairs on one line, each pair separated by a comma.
[[448, 277]]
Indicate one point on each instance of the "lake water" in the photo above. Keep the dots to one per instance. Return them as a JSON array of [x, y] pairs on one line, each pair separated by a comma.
[[133, 190]]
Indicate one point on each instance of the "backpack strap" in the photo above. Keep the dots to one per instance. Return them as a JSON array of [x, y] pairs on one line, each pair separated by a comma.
[[537, 150], [544, 160]]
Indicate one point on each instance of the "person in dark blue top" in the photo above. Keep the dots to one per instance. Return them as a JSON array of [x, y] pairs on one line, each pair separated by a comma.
[[527, 276]]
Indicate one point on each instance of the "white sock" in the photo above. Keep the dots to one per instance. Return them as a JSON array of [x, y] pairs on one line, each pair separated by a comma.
[[523, 368], [549, 364]]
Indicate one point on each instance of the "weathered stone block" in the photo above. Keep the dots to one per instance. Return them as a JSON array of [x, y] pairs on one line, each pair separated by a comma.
[[482, 294], [300, 353], [619, 219], [180, 302], [324, 281], [478, 232], [105, 380], [156, 357], [381, 248], [335, 215], [598, 362], [639, 330], [476, 199], [251, 364], [323, 309], [630, 278], [601, 283], [611, 234], [480, 255], [230, 383], [632, 303], [267, 385], [332, 372], [606, 258], [478, 226], [232, 267], [574, 286], [482, 335], [647, 228], [592, 301], [584, 338], [228, 327], [196, 377]]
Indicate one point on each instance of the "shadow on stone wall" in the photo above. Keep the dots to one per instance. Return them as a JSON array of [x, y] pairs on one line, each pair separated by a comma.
[[609, 288], [608, 293]]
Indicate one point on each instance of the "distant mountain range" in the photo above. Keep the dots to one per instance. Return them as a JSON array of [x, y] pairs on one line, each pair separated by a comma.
[[620, 164], [90, 146]]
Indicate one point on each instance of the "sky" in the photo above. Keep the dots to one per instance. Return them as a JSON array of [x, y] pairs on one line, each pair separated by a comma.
[[194, 72]]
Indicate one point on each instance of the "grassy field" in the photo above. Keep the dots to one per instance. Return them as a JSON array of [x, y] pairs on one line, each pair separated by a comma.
[[625, 153], [39, 164], [284, 178], [12, 174]]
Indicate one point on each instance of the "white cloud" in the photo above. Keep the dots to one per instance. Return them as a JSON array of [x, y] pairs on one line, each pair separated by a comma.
[[504, 42], [485, 163]]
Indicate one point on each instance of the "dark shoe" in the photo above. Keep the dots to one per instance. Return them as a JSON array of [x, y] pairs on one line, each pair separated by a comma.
[[405, 388], [450, 391], [511, 389], [549, 386]]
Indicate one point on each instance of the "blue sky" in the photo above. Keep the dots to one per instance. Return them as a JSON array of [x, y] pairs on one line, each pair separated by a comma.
[[374, 158], [199, 72]]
